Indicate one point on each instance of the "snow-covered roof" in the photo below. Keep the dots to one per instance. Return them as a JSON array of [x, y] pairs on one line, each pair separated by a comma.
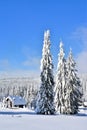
[[17, 100]]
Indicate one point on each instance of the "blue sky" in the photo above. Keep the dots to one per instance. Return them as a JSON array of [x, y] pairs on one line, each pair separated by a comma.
[[22, 25]]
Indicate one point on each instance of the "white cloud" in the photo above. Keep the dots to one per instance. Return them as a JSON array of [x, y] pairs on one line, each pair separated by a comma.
[[19, 73], [82, 62], [81, 36], [4, 64], [32, 61]]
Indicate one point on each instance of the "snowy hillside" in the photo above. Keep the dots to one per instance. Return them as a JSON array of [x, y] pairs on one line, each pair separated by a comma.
[[18, 81], [25, 119], [83, 78], [23, 86], [8, 84]]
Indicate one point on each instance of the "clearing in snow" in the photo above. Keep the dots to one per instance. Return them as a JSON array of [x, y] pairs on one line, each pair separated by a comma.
[[24, 119]]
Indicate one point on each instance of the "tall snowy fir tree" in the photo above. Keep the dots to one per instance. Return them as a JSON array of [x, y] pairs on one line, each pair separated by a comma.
[[60, 84], [45, 101], [73, 91]]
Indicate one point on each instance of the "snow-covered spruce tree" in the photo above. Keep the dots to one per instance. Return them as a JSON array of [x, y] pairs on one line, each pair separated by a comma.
[[73, 91], [45, 101], [60, 83]]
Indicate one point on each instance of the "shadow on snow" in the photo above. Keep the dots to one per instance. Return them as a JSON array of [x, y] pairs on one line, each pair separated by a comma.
[[16, 113]]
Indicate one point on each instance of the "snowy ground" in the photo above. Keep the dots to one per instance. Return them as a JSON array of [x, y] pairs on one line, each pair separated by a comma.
[[24, 119]]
